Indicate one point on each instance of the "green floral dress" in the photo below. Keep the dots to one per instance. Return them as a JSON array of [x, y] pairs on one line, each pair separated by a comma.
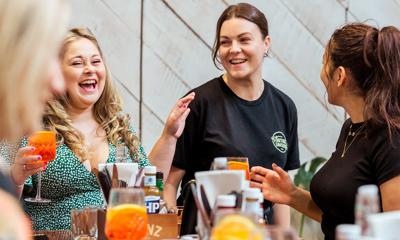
[[69, 185]]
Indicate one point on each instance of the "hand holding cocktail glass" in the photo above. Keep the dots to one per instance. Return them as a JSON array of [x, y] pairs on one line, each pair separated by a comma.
[[33, 159]]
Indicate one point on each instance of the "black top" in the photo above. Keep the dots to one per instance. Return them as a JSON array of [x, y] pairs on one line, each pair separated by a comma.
[[6, 184], [221, 124], [370, 159]]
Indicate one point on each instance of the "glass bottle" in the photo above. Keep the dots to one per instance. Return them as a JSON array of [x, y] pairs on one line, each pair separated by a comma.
[[220, 163], [252, 204], [224, 205], [121, 153], [152, 194], [367, 202], [160, 183]]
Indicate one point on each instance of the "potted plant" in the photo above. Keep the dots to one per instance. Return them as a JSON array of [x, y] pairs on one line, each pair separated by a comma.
[[303, 179]]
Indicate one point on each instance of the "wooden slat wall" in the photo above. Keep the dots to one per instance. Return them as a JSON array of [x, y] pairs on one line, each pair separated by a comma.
[[178, 36]]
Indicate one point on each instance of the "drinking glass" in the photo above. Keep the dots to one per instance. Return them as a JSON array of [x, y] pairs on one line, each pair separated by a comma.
[[44, 143], [84, 224], [121, 153], [126, 214], [239, 163]]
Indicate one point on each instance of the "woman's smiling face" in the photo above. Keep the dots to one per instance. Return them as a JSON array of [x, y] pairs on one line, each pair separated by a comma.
[[84, 72], [242, 48]]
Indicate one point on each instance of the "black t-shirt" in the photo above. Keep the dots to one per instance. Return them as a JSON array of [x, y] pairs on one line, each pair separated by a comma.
[[370, 159], [221, 124], [6, 185]]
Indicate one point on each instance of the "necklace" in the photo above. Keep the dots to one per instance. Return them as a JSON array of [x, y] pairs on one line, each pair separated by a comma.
[[354, 135]]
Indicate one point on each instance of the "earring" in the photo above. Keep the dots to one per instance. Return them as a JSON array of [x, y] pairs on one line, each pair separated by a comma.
[[265, 54]]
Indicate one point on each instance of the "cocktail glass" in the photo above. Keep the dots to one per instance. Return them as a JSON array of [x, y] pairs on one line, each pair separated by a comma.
[[45, 145], [126, 215], [239, 163]]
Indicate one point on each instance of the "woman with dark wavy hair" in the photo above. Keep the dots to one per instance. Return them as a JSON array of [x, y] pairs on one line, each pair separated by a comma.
[[361, 72], [238, 113], [89, 123]]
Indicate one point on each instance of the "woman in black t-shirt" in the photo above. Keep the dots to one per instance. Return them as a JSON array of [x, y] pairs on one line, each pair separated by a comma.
[[361, 74], [238, 113]]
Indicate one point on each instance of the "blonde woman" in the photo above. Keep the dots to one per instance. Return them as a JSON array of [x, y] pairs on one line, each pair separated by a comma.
[[90, 123], [31, 33]]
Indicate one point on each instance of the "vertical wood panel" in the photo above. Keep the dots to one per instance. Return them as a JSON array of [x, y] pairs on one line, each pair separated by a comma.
[[179, 59], [381, 13], [116, 26], [319, 17]]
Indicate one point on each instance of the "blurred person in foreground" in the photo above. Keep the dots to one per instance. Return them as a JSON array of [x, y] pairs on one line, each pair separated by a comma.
[[31, 34]]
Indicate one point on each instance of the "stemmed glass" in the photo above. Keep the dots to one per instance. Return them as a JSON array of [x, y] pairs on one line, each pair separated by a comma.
[[126, 214], [44, 143]]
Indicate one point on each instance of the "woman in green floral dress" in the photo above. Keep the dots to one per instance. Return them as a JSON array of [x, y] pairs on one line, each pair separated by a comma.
[[89, 123]]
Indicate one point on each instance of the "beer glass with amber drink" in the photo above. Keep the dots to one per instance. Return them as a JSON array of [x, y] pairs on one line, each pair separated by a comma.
[[45, 144], [126, 215], [239, 163]]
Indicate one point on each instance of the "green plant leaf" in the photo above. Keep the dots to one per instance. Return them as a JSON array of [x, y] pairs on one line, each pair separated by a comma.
[[303, 177], [315, 162], [298, 178]]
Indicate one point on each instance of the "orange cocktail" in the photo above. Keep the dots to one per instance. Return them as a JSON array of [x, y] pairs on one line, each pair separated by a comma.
[[45, 145], [238, 227], [239, 163], [126, 222]]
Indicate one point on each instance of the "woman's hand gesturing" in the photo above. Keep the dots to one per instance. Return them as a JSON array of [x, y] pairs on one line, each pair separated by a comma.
[[177, 117], [275, 184]]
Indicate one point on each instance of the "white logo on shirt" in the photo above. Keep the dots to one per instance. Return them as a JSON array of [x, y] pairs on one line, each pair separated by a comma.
[[279, 141]]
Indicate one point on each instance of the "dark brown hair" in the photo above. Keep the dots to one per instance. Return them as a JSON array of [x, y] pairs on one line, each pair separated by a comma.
[[372, 57], [240, 10]]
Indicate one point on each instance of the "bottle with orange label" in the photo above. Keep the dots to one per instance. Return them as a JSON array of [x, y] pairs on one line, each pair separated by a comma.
[[152, 193]]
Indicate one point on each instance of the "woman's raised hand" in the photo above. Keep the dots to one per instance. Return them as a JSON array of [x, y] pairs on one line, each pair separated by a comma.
[[176, 119], [25, 165], [275, 184]]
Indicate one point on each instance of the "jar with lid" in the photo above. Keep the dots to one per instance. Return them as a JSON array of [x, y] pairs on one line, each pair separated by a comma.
[[252, 204]]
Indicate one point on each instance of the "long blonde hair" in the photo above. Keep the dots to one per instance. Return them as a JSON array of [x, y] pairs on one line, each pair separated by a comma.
[[31, 33], [107, 110]]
